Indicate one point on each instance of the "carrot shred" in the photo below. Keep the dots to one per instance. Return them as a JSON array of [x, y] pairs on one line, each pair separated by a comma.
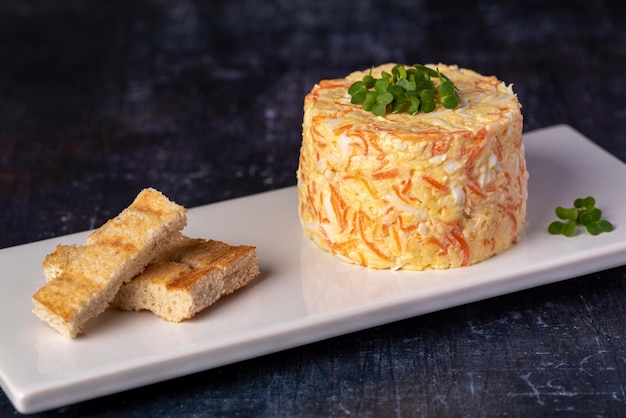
[[474, 188], [339, 207], [435, 242], [497, 150], [389, 174], [510, 212], [406, 228], [400, 195], [463, 244], [364, 181], [440, 146], [342, 129], [435, 184], [372, 141], [407, 186], [332, 84], [364, 141], [362, 218]]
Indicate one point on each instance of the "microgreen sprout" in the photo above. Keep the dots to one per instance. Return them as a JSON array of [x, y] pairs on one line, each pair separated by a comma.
[[584, 213], [409, 90]]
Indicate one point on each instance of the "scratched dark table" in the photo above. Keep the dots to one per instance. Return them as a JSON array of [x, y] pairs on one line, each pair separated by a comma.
[[203, 101]]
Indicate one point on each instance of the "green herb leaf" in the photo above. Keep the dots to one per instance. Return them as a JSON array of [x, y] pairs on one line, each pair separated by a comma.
[[583, 213], [445, 88], [399, 72], [414, 105], [570, 214], [427, 70], [450, 102], [407, 85], [358, 97], [379, 109], [556, 227], [587, 218], [370, 100], [428, 100], [399, 94], [397, 107], [357, 87], [381, 85], [593, 229], [604, 225], [569, 229], [410, 89], [368, 81], [384, 98]]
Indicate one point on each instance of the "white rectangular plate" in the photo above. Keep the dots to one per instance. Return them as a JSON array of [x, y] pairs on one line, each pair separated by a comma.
[[303, 294]]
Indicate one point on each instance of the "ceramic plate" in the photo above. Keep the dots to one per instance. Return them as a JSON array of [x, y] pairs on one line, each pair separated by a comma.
[[303, 294]]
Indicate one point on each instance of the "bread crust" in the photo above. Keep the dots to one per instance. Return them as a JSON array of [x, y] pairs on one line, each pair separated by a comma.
[[113, 254]]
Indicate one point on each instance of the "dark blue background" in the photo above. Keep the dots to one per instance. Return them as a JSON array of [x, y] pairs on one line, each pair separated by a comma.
[[203, 101]]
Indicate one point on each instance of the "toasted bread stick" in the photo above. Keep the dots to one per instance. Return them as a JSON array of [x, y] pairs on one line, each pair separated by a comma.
[[111, 255], [193, 276], [187, 277]]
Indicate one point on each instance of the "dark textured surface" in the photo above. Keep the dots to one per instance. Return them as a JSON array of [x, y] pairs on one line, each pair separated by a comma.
[[204, 102]]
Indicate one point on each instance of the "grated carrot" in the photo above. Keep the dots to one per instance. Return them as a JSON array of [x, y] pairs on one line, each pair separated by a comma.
[[440, 146], [509, 211], [363, 220], [407, 228], [474, 188], [463, 244], [407, 185], [359, 177], [389, 174], [339, 207], [489, 243], [435, 184], [401, 196], [342, 129], [332, 84]]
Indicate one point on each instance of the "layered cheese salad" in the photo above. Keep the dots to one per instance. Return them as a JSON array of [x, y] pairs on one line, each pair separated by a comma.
[[434, 190]]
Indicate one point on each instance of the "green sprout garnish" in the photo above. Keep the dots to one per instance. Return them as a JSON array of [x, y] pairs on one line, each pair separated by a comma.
[[583, 213], [409, 90]]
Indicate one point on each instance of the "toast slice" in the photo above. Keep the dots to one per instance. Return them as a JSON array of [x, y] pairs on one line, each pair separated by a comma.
[[113, 254], [184, 279], [192, 276]]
